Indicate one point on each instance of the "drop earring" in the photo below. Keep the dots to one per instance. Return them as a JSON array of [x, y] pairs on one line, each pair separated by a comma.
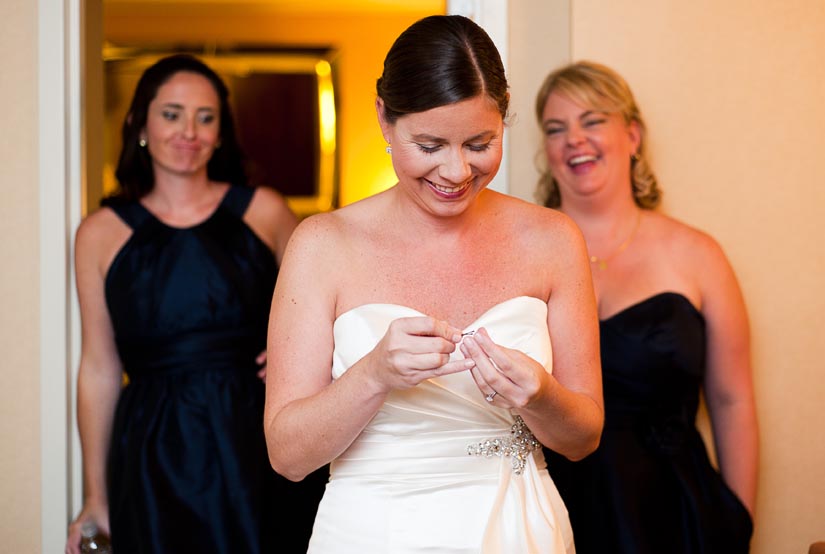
[[142, 143], [389, 148]]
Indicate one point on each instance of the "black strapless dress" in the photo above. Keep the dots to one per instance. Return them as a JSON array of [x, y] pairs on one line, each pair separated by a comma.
[[188, 469], [650, 486]]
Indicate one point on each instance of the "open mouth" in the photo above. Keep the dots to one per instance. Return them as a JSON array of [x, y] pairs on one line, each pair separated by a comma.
[[576, 161], [449, 192]]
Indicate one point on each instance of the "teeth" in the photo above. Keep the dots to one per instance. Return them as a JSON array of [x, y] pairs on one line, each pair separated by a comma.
[[449, 190], [582, 159]]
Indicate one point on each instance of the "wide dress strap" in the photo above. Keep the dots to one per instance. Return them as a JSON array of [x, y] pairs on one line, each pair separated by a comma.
[[237, 200]]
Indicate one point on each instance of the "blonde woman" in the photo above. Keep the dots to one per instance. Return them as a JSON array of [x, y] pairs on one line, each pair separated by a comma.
[[673, 324]]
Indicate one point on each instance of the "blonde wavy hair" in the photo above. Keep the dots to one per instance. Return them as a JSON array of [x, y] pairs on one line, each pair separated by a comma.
[[600, 88]]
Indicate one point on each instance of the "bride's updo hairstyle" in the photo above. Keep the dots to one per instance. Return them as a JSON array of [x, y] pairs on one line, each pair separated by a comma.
[[441, 60]]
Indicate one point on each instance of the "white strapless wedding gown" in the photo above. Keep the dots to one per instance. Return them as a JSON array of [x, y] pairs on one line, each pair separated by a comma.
[[408, 485]]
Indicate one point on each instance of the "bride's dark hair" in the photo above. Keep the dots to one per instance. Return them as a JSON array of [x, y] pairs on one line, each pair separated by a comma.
[[440, 60]]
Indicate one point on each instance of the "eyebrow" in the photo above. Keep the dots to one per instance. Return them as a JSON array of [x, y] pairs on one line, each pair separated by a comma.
[[588, 113], [423, 137], [180, 107]]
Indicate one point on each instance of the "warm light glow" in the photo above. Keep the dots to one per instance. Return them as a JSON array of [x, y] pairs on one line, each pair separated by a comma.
[[376, 174], [326, 106], [326, 116], [386, 179]]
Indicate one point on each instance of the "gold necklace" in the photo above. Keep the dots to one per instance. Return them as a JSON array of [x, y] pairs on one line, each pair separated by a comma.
[[601, 263]]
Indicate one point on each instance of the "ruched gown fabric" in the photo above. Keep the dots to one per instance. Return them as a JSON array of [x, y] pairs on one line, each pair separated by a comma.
[[407, 484], [188, 469], [650, 486]]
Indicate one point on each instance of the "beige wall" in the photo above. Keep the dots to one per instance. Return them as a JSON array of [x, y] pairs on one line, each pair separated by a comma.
[[734, 96], [539, 40], [19, 295]]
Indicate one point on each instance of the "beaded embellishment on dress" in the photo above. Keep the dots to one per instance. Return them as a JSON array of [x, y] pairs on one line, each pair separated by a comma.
[[517, 446]]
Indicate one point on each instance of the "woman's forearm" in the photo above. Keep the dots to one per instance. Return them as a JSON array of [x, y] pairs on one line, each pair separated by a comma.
[[97, 396], [737, 448], [310, 432]]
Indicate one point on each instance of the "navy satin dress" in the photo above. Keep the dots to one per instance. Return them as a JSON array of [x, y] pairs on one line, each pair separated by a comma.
[[188, 469], [650, 486]]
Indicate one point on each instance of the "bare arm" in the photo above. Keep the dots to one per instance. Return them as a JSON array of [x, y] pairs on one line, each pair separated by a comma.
[[308, 419], [729, 382], [271, 219], [99, 376], [563, 410], [573, 401]]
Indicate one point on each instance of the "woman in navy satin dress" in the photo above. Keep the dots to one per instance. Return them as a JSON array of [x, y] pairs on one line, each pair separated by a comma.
[[672, 323], [175, 275]]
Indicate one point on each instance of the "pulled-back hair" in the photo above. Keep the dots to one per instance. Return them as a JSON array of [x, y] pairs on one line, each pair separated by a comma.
[[440, 60], [600, 88], [134, 172]]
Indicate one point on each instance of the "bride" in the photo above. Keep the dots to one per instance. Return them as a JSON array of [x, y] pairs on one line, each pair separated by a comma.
[[429, 339]]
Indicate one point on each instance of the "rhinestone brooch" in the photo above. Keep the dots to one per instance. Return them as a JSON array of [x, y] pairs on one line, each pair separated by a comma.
[[517, 446]]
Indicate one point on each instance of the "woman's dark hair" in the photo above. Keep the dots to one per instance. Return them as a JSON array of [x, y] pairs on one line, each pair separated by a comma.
[[440, 60], [134, 167]]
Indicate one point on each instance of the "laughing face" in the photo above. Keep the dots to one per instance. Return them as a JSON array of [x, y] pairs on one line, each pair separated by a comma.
[[182, 125], [587, 150], [445, 156]]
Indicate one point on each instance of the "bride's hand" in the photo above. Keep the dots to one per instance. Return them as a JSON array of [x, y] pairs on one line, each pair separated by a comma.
[[507, 378], [415, 349]]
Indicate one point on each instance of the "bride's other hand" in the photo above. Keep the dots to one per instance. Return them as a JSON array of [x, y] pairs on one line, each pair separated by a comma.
[[506, 377], [415, 349]]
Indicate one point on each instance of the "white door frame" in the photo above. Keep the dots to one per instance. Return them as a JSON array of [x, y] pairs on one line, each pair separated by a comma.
[[59, 186]]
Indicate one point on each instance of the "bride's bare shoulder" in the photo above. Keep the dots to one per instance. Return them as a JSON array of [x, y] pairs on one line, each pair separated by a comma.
[[542, 224], [336, 230]]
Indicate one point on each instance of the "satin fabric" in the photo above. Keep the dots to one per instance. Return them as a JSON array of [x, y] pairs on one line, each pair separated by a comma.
[[407, 483], [650, 486], [188, 469]]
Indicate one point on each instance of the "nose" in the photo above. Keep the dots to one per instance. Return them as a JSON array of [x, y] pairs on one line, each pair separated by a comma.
[[189, 125], [575, 135], [455, 168]]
